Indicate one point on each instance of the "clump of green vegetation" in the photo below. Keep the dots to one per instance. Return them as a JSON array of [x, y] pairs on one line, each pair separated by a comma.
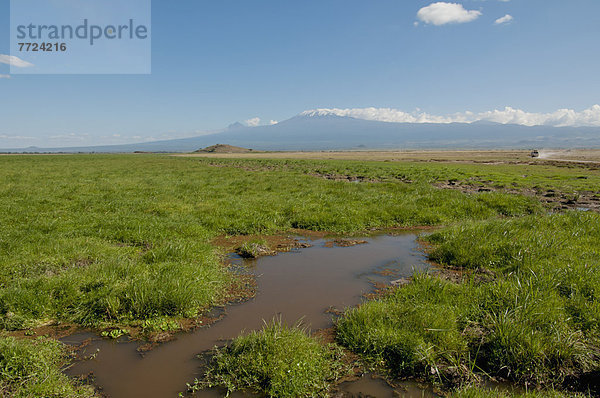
[[477, 392], [160, 325], [405, 332], [278, 361], [538, 321], [114, 333], [32, 368], [254, 249]]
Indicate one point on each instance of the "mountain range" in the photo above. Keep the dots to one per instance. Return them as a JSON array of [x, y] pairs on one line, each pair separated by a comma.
[[313, 131]]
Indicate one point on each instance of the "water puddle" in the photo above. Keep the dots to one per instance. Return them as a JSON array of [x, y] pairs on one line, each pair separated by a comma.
[[301, 284], [372, 386]]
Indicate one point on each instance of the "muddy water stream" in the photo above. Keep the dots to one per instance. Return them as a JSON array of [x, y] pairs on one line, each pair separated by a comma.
[[300, 284]]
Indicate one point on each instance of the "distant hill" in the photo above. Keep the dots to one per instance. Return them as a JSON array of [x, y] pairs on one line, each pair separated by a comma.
[[221, 148], [330, 132]]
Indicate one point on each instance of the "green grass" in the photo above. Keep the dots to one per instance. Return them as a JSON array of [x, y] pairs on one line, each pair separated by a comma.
[[557, 257], [31, 369], [565, 178], [536, 322], [117, 242], [475, 392], [112, 241], [405, 333], [278, 361]]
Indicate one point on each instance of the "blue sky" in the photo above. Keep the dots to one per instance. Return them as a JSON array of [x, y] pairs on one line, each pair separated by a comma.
[[217, 62]]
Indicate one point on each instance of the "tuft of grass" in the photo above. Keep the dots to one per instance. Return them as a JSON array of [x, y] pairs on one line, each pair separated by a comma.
[[254, 249], [478, 392], [278, 361], [404, 332], [32, 368], [537, 322]]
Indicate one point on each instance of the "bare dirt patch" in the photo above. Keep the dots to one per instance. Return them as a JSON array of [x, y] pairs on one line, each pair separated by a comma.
[[221, 148], [53, 329], [272, 243], [558, 201]]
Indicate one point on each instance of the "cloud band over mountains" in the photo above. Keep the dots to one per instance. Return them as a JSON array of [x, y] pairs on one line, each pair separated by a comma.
[[559, 118]]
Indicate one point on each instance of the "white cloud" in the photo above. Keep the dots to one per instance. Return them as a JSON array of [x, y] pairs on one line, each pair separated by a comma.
[[14, 137], [508, 115], [70, 136], [559, 118], [505, 19], [381, 114], [4, 76], [272, 122], [442, 13], [14, 61], [253, 122]]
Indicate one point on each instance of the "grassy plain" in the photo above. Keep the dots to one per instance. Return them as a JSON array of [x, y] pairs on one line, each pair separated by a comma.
[[532, 177], [115, 242], [112, 240], [447, 156]]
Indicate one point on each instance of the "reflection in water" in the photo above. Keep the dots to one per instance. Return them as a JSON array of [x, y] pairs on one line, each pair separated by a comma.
[[297, 285]]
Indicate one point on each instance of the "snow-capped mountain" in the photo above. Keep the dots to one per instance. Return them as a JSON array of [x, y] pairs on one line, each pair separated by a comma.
[[324, 130]]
